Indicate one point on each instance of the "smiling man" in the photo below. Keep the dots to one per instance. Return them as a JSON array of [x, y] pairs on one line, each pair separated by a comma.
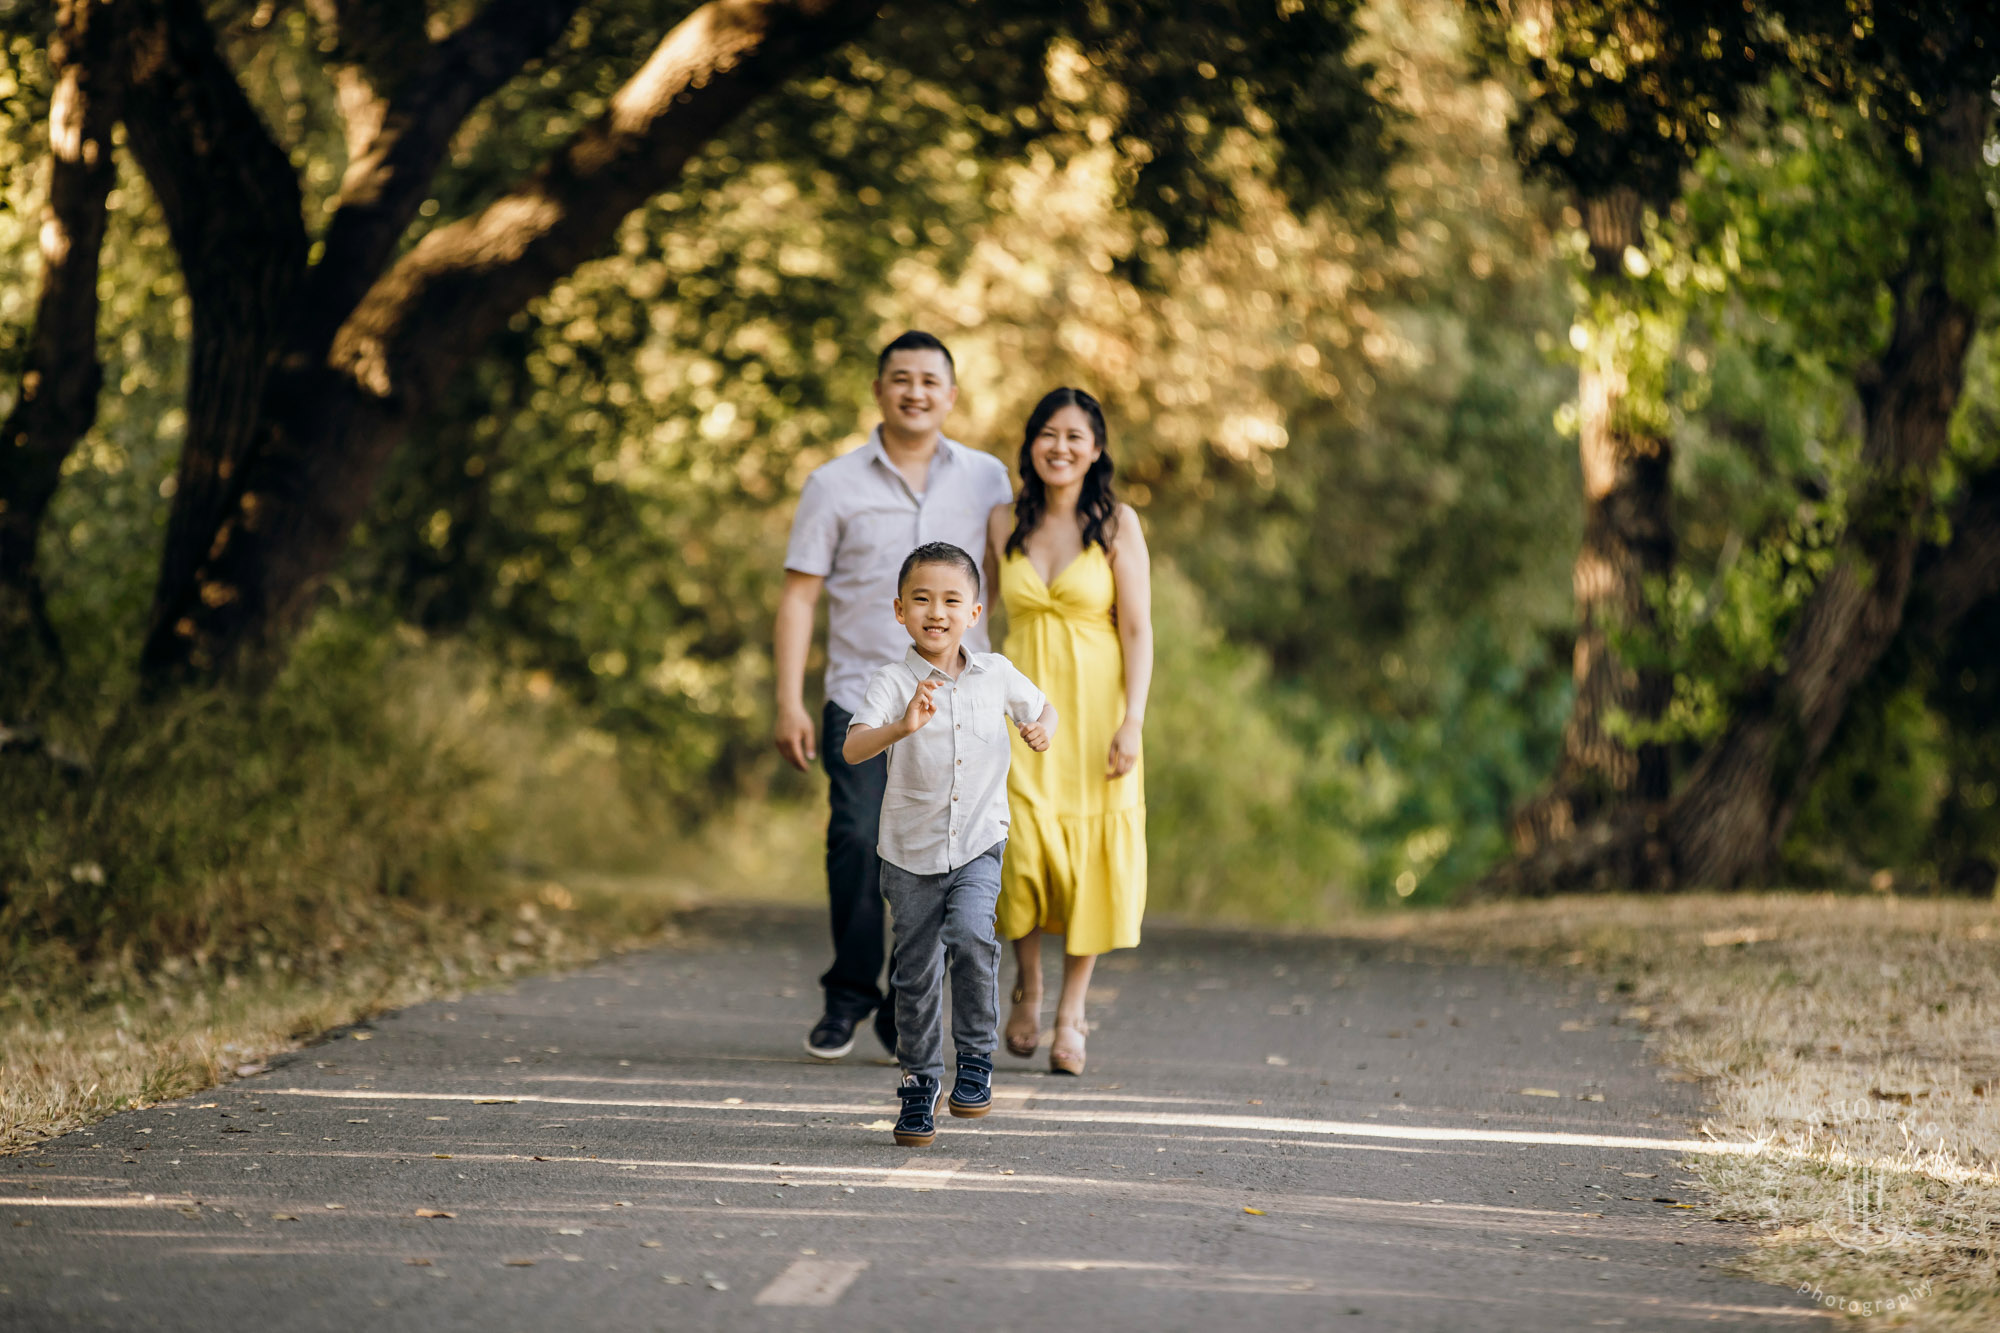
[[858, 517]]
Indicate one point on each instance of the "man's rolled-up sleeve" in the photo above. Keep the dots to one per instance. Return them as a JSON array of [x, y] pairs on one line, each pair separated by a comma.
[[815, 530], [1003, 488]]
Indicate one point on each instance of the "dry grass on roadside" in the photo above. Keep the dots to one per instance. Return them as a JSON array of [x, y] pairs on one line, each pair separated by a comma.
[[76, 1046], [72, 1054], [1856, 1039]]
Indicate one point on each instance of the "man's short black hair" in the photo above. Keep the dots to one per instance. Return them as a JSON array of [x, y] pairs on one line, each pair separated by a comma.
[[938, 553], [914, 341]]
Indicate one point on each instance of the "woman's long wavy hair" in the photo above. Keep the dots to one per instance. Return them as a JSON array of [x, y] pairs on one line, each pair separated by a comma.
[[1096, 508]]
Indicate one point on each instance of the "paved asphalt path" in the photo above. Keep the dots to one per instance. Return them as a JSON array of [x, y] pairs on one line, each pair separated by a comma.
[[1277, 1133]]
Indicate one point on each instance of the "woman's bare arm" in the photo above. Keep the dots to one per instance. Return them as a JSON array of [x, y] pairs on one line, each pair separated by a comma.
[[1132, 572]]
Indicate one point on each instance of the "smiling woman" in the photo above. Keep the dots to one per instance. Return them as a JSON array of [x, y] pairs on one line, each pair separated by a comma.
[[1075, 580]]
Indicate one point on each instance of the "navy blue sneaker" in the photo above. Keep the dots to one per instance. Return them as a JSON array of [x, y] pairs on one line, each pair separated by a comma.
[[831, 1038], [917, 1126], [972, 1093]]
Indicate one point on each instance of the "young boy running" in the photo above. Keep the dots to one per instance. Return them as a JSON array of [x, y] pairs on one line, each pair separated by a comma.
[[941, 713]]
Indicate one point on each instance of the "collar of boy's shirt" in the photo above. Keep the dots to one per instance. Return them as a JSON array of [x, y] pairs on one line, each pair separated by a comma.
[[924, 668]]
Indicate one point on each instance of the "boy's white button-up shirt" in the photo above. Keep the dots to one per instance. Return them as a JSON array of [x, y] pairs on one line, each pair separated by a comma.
[[947, 797]]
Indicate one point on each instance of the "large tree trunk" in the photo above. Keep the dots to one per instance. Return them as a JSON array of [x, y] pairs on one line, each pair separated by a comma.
[[1628, 541], [1724, 828], [1951, 580], [1726, 824], [368, 354], [57, 401], [233, 208]]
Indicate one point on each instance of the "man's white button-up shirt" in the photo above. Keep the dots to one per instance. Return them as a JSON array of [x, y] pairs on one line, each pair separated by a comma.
[[858, 518], [947, 797]]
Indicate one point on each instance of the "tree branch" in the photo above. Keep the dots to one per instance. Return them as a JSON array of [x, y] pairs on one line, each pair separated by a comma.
[[59, 387], [388, 178], [376, 44], [461, 283]]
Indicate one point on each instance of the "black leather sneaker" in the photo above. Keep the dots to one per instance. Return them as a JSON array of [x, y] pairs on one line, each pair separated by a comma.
[[831, 1038], [917, 1126], [972, 1091]]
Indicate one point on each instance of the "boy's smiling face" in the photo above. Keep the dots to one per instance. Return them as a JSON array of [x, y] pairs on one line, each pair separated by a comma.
[[937, 605]]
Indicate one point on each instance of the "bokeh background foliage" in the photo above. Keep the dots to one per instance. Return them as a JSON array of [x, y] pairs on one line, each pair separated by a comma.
[[1342, 392]]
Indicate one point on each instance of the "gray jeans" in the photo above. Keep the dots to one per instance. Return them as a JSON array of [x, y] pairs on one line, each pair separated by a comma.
[[935, 916]]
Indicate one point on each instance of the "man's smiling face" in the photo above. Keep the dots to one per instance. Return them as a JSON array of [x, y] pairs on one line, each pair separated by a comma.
[[938, 604], [916, 392]]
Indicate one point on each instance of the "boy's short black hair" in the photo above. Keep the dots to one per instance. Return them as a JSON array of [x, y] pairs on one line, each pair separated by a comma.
[[938, 553], [915, 341]]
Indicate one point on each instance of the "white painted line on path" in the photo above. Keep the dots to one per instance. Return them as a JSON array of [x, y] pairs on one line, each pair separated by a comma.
[[1161, 1119], [91, 1201], [811, 1282], [925, 1172]]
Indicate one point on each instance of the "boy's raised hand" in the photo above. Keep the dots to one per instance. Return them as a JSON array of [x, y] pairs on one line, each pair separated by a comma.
[[1036, 735], [922, 707]]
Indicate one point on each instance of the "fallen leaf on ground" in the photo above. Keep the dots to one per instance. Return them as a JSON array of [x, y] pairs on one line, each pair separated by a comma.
[[245, 1071], [284, 1217], [1255, 1212], [418, 1263], [336, 1207], [570, 1231], [434, 1212], [442, 1156], [1642, 1175], [649, 1244], [1540, 1092], [364, 1036], [1590, 1096]]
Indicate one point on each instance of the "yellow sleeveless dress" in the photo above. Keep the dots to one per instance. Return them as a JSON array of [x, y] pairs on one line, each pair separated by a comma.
[[1076, 842]]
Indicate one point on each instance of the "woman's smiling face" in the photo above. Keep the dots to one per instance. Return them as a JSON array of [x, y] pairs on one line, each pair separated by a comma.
[[1065, 449]]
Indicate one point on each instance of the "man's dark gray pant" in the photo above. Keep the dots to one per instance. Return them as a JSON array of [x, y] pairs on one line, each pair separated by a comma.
[[945, 920], [853, 871]]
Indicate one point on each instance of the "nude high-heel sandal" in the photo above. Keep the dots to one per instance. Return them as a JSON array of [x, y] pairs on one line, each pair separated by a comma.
[[1016, 1043], [1066, 1050]]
